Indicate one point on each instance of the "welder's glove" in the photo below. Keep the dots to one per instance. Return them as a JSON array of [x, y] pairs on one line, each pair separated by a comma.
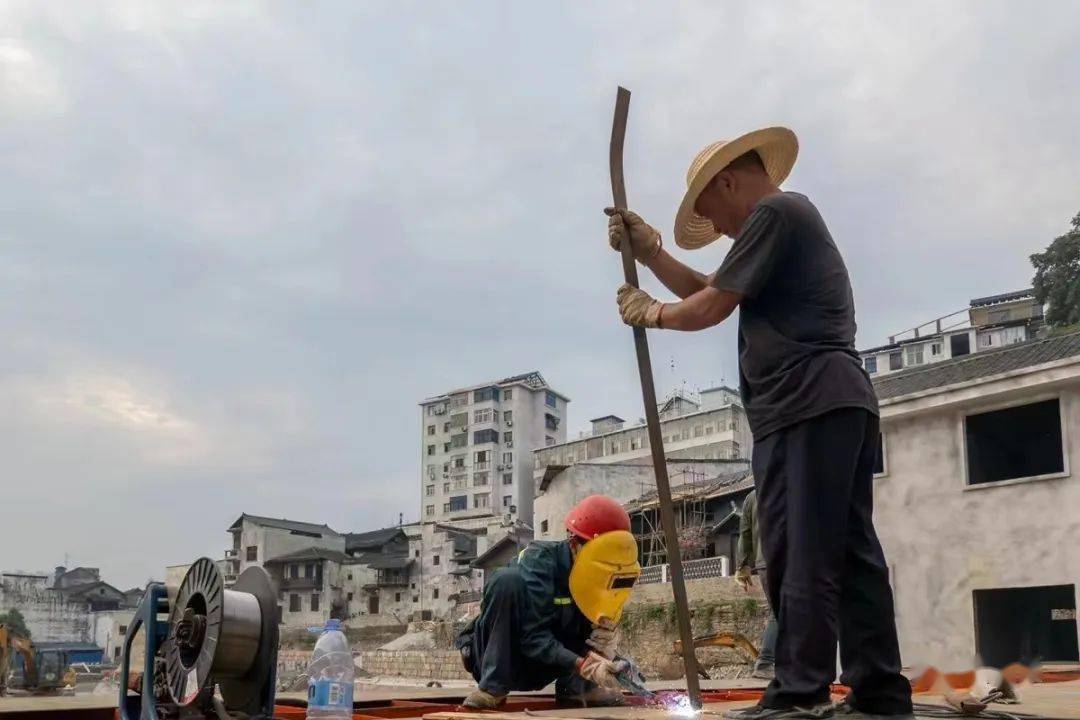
[[637, 307], [599, 670], [645, 241], [602, 640]]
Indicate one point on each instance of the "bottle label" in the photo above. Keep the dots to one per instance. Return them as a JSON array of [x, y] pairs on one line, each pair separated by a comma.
[[330, 694]]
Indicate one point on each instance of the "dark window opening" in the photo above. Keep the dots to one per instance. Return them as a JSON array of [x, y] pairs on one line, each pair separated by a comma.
[[435, 560], [486, 436], [397, 597], [879, 456], [1027, 625], [294, 603], [870, 363], [960, 345], [896, 360], [252, 553], [314, 602], [435, 594], [461, 502], [543, 526], [1016, 442]]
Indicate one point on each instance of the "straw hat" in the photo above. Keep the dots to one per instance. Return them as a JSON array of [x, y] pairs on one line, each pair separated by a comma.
[[777, 147]]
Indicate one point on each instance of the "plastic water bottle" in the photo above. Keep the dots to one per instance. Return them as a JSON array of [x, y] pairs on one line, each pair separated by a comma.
[[330, 676]]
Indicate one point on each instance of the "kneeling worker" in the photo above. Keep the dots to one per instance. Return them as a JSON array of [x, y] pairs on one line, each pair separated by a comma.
[[551, 614]]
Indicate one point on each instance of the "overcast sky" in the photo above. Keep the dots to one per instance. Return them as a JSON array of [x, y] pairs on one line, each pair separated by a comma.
[[240, 241]]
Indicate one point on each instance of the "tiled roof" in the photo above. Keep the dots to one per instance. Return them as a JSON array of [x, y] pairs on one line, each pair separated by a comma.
[[371, 540], [283, 524], [981, 364], [310, 554], [1002, 297], [711, 488]]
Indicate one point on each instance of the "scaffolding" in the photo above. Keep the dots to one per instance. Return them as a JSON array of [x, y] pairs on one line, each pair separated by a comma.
[[690, 491]]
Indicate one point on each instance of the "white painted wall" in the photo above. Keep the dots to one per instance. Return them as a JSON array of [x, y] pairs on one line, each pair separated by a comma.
[[49, 617], [944, 539]]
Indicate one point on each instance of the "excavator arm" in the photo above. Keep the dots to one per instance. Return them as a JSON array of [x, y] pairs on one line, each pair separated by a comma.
[[10, 642]]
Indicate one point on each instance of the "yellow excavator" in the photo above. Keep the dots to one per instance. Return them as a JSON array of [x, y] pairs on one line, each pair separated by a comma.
[[43, 670]]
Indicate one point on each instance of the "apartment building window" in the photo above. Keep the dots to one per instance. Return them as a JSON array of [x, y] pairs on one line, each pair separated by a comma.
[[699, 431], [508, 438], [432, 471], [483, 416], [460, 440], [508, 478], [446, 487], [614, 447], [314, 602], [348, 598], [489, 435], [735, 450], [446, 426], [870, 363], [459, 502], [550, 398], [294, 571], [508, 458], [896, 360], [447, 447], [416, 598], [480, 501], [446, 507], [482, 456], [294, 602], [508, 394], [914, 355], [429, 510], [459, 462], [543, 526], [430, 449], [430, 429], [508, 416], [549, 441], [122, 631], [435, 594], [459, 400], [1016, 442], [551, 422], [459, 420], [429, 491], [709, 429], [935, 349], [480, 479], [434, 559], [485, 394], [397, 597]]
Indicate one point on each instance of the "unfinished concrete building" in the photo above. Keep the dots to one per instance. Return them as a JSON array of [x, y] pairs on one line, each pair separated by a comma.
[[977, 505]]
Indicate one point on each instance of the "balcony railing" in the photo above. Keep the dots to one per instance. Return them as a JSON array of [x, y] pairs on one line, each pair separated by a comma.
[[301, 583], [232, 553]]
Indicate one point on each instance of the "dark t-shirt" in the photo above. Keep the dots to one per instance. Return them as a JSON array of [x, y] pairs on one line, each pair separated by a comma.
[[797, 354]]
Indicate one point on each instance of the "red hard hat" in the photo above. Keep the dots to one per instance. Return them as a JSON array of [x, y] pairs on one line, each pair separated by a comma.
[[596, 515]]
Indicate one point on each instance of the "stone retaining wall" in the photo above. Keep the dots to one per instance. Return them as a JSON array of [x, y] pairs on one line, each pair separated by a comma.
[[419, 664]]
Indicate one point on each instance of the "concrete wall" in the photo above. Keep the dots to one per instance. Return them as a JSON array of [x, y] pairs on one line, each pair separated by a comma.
[[943, 539], [419, 664], [274, 542], [49, 616], [109, 630]]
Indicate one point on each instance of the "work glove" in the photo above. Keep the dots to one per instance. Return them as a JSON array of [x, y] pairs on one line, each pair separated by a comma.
[[602, 639], [645, 240], [637, 307], [742, 576], [599, 670]]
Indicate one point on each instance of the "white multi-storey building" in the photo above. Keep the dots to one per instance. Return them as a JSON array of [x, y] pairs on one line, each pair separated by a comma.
[[987, 323], [711, 425], [476, 447]]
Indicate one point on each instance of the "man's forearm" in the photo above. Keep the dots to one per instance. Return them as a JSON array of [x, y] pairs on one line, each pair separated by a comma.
[[703, 309], [677, 277]]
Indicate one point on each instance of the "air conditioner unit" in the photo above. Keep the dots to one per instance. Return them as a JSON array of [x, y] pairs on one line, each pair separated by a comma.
[[510, 444], [509, 423]]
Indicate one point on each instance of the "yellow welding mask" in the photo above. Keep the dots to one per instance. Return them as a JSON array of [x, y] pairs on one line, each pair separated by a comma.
[[605, 570]]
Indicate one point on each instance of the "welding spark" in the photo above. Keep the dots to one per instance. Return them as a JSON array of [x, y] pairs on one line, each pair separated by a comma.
[[680, 705]]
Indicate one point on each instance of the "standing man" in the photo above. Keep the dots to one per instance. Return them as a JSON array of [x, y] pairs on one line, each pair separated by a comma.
[[752, 562], [811, 408]]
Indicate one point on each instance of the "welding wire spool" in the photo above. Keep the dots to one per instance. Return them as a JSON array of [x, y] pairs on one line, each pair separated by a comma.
[[214, 634]]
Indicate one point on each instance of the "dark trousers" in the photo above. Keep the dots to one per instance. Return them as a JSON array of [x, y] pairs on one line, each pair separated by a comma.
[[494, 656], [826, 574], [767, 658]]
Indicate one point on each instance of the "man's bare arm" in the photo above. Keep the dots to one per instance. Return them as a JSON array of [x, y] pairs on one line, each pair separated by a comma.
[[680, 279], [705, 308]]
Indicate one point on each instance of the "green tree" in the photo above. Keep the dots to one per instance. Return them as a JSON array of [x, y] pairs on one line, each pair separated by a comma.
[[15, 622], [1057, 277]]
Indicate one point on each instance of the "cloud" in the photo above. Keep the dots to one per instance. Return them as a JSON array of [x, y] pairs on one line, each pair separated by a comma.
[[239, 242]]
